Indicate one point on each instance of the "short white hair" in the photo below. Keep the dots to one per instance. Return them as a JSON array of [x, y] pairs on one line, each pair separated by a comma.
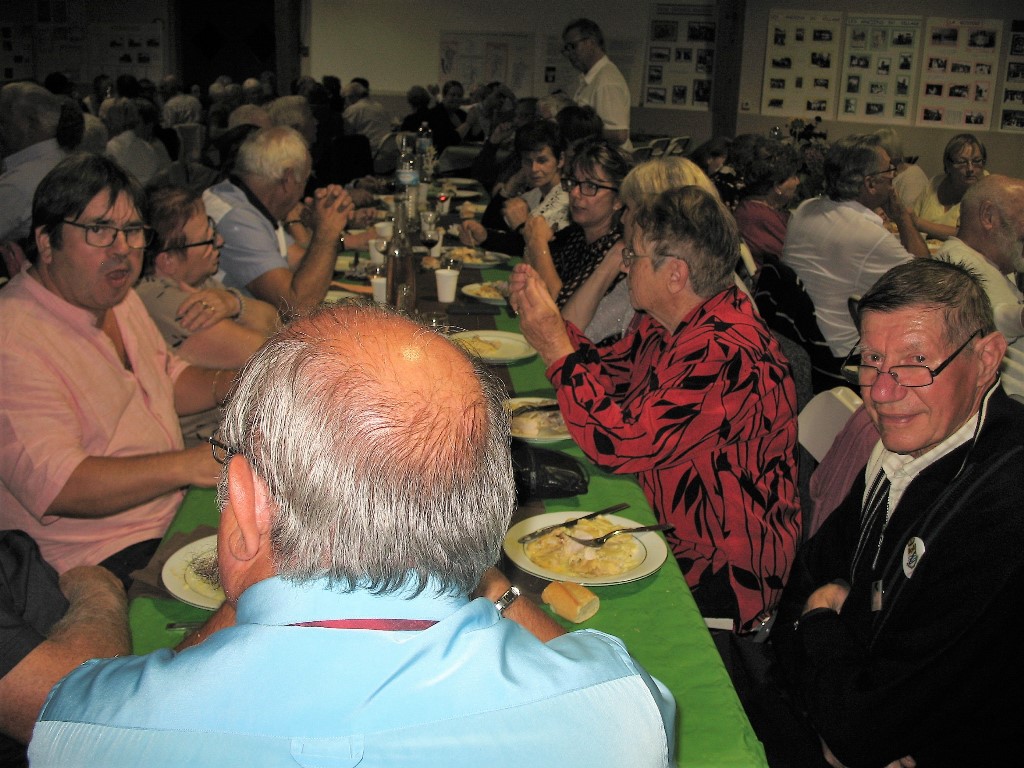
[[270, 153]]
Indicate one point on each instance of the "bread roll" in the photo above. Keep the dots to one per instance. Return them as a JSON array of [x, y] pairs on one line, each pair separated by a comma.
[[571, 601]]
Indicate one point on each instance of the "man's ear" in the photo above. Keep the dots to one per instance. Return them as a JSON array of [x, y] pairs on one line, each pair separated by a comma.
[[989, 351], [44, 246], [248, 499]]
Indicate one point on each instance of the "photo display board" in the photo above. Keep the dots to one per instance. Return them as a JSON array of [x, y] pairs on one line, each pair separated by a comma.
[[880, 68], [680, 57], [959, 64], [1011, 117], [483, 58], [801, 64]]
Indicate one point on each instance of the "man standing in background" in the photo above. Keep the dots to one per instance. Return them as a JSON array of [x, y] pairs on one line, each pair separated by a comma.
[[602, 85]]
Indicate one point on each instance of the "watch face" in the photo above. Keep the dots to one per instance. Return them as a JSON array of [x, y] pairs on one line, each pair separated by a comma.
[[503, 602]]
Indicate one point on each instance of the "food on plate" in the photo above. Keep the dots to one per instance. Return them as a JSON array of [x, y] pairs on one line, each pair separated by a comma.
[[202, 575], [477, 346], [570, 600], [557, 552], [467, 255], [537, 423], [497, 289]]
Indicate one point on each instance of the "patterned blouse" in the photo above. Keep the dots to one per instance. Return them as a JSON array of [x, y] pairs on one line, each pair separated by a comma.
[[705, 415], [575, 259]]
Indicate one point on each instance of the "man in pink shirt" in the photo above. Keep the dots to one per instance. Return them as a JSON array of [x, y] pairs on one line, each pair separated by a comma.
[[92, 464]]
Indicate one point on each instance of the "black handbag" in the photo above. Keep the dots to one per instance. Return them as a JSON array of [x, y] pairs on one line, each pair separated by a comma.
[[545, 474]]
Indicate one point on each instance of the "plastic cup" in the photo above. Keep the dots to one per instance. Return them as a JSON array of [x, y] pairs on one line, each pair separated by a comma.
[[379, 283], [378, 247], [447, 283], [384, 229]]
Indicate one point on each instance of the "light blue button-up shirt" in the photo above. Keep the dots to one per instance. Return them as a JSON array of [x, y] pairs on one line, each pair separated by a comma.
[[472, 690]]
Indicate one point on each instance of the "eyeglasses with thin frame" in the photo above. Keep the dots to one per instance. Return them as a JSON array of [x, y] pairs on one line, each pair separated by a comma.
[[221, 453], [630, 256], [976, 162], [104, 235], [862, 375], [570, 45], [211, 241], [891, 170], [587, 188]]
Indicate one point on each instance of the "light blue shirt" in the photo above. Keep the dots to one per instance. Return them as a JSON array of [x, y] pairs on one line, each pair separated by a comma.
[[22, 173], [254, 243], [472, 690]]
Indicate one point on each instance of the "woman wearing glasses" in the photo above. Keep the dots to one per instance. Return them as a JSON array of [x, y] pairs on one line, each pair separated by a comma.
[[565, 259], [937, 213], [203, 322]]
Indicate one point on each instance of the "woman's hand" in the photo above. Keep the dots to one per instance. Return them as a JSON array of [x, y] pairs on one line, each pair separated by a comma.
[[206, 307]]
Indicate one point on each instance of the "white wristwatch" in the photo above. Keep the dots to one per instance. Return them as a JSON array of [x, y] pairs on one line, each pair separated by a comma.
[[503, 602]]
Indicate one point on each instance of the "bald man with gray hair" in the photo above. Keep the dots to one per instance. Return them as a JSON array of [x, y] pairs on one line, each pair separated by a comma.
[[364, 116], [366, 489], [990, 241], [28, 145]]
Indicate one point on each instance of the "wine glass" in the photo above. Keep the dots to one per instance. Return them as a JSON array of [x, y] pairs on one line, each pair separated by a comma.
[[428, 228]]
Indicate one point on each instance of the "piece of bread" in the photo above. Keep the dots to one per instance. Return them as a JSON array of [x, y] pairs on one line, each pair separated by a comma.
[[571, 601]]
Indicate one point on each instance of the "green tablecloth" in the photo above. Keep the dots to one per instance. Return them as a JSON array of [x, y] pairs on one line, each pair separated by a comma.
[[656, 616]]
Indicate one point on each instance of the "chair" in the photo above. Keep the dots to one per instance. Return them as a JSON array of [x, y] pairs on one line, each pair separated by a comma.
[[657, 148], [191, 139], [822, 419]]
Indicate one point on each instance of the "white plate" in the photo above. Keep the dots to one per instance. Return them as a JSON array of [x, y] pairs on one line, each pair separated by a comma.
[[473, 291], [511, 347], [655, 550], [183, 584], [337, 295], [467, 193], [487, 258], [458, 180], [547, 436]]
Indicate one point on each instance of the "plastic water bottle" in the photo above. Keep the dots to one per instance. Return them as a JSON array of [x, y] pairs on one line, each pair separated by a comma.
[[407, 178]]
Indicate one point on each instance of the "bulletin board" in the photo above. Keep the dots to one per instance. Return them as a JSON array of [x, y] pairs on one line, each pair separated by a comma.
[[1011, 113], [959, 66], [880, 69], [801, 66], [680, 60], [474, 58], [126, 49]]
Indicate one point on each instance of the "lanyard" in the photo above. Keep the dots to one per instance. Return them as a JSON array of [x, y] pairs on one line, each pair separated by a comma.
[[387, 625]]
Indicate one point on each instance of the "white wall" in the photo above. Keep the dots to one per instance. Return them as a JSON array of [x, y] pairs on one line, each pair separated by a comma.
[[394, 43]]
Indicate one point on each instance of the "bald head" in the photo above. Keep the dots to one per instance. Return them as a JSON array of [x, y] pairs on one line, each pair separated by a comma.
[[384, 446], [29, 114], [992, 220]]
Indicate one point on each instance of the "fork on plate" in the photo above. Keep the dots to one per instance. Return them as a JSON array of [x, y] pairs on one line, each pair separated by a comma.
[[600, 540]]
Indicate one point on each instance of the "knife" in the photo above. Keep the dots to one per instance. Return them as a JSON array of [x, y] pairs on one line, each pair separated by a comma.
[[570, 523]]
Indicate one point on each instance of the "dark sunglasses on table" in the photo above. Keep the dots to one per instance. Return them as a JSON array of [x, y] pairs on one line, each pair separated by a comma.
[[211, 241], [104, 235], [862, 375], [587, 188]]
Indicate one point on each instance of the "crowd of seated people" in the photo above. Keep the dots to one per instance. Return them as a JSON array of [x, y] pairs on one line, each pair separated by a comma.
[[253, 183]]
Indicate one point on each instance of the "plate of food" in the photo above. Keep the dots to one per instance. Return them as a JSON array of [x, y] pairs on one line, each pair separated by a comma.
[[192, 576], [458, 180], [495, 346], [474, 257], [467, 193], [537, 426], [556, 557], [489, 293]]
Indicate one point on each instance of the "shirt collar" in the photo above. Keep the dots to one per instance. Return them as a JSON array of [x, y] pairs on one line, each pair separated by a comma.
[[57, 306], [598, 66], [251, 197], [276, 601]]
